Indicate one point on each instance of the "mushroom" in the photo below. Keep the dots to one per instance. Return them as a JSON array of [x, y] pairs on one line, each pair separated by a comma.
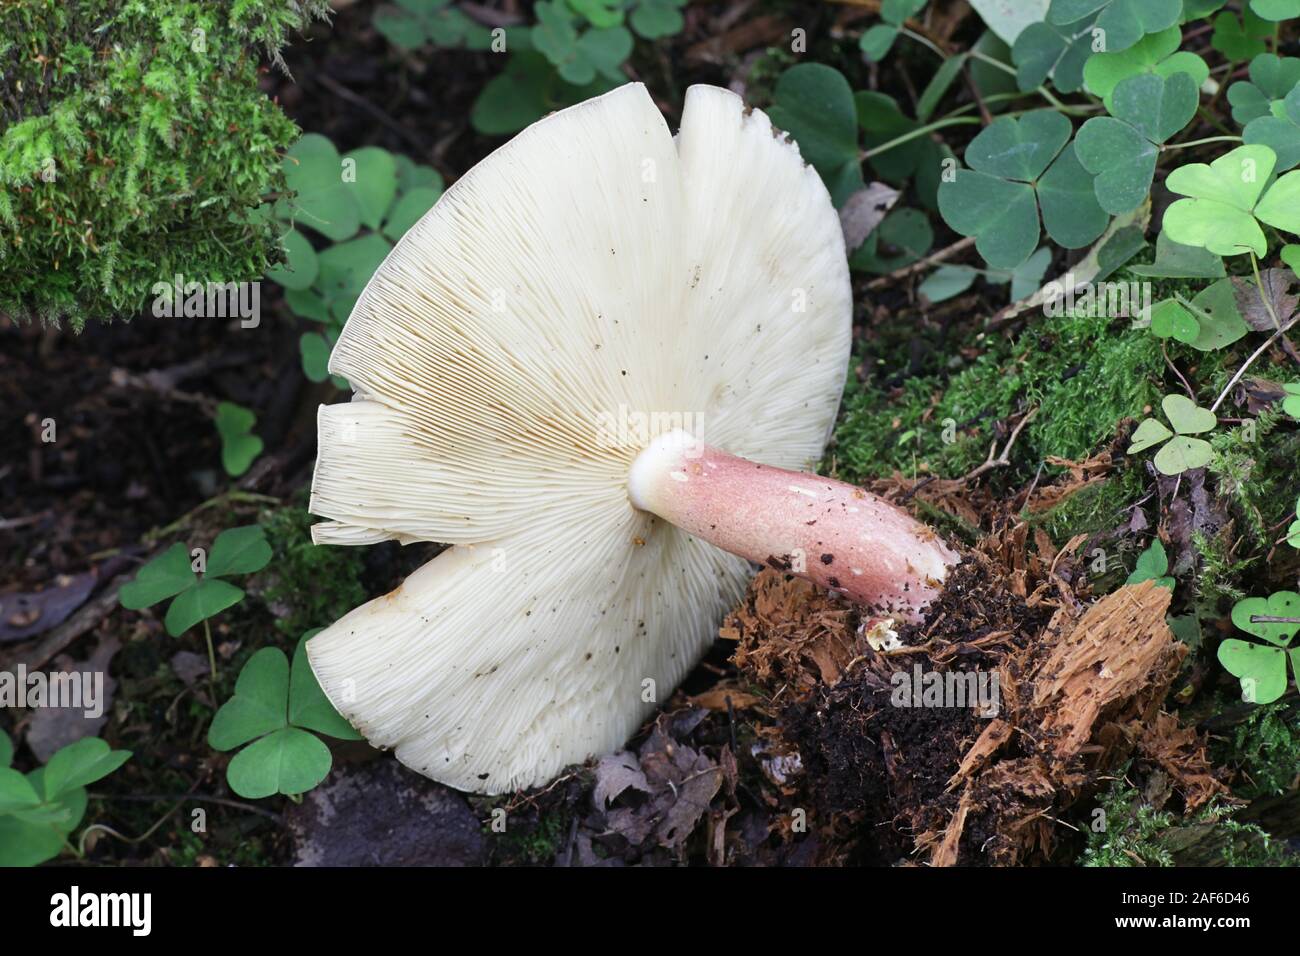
[[537, 366]]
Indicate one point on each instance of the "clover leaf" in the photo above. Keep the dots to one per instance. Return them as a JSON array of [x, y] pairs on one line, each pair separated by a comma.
[[1293, 532], [814, 104], [578, 56], [1016, 168], [1209, 321], [171, 575], [1291, 403], [653, 19], [1275, 10], [1271, 78], [1152, 565], [1239, 40], [1177, 261], [1157, 53], [39, 810], [1122, 22], [902, 237], [1121, 149], [1228, 199], [298, 271], [876, 42], [1178, 453], [948, 281], [274, 708], [1261, 668], [1279, 130], [239, 446], [1044, 50], [413, 23]]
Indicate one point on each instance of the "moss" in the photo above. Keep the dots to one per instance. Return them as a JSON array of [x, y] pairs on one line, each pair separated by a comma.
[[1096, 508], [1130, 831], [317, 585], [1265, 748], [136, 145], [1084, 374]]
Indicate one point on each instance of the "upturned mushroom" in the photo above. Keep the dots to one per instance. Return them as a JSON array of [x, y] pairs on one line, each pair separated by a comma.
[[547, 370]]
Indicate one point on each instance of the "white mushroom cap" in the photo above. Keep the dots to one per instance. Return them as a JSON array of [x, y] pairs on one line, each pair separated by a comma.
[[592, 269]]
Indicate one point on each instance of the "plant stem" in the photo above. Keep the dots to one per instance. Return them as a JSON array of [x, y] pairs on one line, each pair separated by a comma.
[[212, 657], [1201, 142], [1254, 263], [920, 131]]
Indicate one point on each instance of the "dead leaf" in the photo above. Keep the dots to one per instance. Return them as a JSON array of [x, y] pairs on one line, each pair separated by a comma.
[[863, 211], [24, 615], [1277, 285]]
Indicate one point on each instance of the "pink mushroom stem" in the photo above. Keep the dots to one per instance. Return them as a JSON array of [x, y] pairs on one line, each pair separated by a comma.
[[837, 536]]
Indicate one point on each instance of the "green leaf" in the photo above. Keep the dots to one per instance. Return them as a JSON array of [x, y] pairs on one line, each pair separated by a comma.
[[1279, 131], [288, 761], [1186, 416], [1019, 149], [1043, 50], [946, 282], [16, 791], [400, 27], [1124, 22], [1002, 215], [1182, 454], [1271, 78], [315, 353], [902, 237], [1157, 53], [374, 184], [599, 13], [606, 50], [1233, 40], [1121, 158], [1216, 313], [1262, 670], [814, 104], [408, 211], [308, 305], [1170, 320], [1218, 215], [882, 121], [260, 704], [1278, 604], [1072, 215], [897, 11], [347, 267], [6, 749], [1275, 10], [209, 597], [80, 764], [876, 42], [939, 84], [1177, 261], [308, 705], [165, 576], [1148, 433], [239, 446], [654, 19], [1152, 565], [28, 844], [1280, 207], [1290, 255], [240, 550], [1009, 19], [299, 268], [313, 170]]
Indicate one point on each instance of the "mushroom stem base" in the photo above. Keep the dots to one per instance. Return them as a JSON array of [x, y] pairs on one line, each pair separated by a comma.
[[836, 535]]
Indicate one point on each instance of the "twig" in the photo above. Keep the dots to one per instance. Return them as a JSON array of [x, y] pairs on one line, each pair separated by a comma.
[[1002, 460], [921, 264]]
